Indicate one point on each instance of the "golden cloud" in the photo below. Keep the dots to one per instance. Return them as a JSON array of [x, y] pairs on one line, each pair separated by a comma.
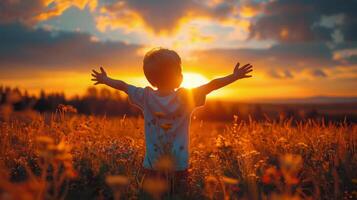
[[163, 17], [182, 25], [248, 11], [126, 19], [62, 5]]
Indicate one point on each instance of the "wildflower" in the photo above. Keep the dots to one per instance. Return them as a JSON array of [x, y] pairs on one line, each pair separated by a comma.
[[45, 146], [291, 163], [117, 183], [211, 180], [222, 142], [44, 140], [155, 186], [230, 185], [302, 145], [253, 153], [210, 186], [65, 157], [235, 117], [271, 175], [282, 140], [165, 163], [117, 180], [69, 170], [228, 180], [291, 180], [252, 175], [290, 166], [166, 126], [159, 114], [62, 147]]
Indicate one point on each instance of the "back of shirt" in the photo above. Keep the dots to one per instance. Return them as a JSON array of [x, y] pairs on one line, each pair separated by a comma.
[[167, 121]]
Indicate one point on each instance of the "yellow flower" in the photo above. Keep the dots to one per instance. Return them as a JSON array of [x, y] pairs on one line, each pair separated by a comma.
[[291, 163], [44, 140], [117, 180], [211, 179], [302, 145], [229, 181]]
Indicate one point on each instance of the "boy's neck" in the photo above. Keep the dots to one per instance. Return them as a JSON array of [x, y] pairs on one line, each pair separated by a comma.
[[164, 91]]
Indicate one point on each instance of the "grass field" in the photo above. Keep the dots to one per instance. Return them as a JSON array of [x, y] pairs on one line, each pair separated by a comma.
[[69, 156]]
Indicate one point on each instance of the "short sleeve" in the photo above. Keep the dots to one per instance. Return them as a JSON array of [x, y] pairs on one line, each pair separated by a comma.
[[136, 95], [192, 97]]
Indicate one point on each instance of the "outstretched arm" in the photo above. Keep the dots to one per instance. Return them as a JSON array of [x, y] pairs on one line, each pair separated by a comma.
[[102, 78], [238, 73]]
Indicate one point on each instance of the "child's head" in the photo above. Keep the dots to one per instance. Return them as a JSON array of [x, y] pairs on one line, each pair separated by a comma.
[[162, 68]]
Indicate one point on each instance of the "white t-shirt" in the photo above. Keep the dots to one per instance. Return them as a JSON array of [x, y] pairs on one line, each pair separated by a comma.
[[167, 121]]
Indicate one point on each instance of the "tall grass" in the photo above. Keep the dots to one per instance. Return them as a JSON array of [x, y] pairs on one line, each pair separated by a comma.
[[69, 156]]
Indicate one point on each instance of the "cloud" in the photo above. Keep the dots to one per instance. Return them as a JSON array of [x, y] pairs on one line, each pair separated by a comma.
[[35, 50], [346, 56], [280, 74], [281, 61], [29, 49], [31, 12], [297, 21], [161, 15], [318, 73], [24, 48], [285, 55]]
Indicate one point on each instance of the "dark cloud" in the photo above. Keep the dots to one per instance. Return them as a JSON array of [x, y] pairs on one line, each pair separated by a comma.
[[160, 14], [19, 11], [281, 61], [283, 56], [345, 45], [285, 74], [352, 59], [38, 49], [25, 48], [298, 20], [318, 73], [30, 12]]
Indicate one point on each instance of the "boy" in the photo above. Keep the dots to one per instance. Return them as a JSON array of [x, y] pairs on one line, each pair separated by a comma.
[[167, 109]]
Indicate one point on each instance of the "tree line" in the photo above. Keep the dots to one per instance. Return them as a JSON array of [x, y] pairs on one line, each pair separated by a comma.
[[114, 103]]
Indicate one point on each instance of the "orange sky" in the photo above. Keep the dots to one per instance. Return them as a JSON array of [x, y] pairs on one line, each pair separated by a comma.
[[53, 45]]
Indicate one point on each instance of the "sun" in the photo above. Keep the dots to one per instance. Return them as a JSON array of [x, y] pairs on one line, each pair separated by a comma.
[[192, 79]]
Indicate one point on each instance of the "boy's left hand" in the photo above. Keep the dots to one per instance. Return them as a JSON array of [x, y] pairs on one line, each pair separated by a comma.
[[243, 72]]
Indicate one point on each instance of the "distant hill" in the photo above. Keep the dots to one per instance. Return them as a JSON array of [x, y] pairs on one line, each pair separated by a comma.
[[311, 100]]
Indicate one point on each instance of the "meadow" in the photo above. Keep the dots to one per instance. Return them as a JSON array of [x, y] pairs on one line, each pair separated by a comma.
[[65, 155]]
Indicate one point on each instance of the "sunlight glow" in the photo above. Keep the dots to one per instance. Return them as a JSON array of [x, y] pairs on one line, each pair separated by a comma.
[[192, 79]]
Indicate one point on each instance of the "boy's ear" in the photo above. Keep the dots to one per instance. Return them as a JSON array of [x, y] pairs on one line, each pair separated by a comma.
[[181, 79]]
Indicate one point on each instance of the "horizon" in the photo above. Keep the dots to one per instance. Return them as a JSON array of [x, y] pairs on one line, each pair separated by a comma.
[[317, 99]]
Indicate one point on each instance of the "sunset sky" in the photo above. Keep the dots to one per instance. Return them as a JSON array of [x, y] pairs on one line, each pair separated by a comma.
[[299, 48]]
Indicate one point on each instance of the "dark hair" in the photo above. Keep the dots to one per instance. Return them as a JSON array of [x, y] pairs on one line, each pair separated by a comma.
[[162, 68]]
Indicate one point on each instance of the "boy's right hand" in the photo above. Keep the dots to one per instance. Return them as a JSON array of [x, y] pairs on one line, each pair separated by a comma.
[[242, 72], [99, 78]]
